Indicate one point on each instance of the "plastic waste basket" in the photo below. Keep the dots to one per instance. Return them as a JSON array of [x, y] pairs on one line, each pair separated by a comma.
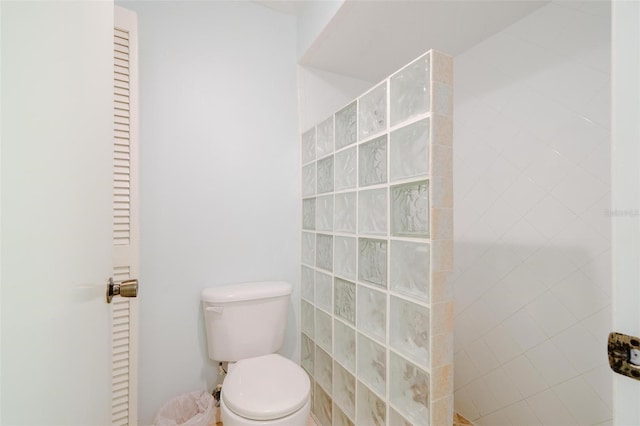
[[191, 409]]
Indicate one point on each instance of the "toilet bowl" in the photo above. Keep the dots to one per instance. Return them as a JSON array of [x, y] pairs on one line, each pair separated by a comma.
[[266, 390], [245, 326]]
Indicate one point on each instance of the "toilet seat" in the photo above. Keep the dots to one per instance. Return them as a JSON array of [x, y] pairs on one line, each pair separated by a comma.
[[265, 388]]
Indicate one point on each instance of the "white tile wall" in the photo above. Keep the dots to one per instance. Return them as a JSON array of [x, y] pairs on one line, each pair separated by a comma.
[[532, 241]]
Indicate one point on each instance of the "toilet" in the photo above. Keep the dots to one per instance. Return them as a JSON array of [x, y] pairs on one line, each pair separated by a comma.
[[245, 326]]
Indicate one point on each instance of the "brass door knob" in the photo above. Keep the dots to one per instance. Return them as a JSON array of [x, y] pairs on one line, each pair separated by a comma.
[[128, 288]]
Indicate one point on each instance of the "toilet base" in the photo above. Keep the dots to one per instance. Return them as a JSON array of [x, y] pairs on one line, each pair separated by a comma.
[[298, 418]]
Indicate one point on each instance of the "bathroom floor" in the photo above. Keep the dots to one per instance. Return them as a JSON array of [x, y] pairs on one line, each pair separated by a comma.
[[458, 420]]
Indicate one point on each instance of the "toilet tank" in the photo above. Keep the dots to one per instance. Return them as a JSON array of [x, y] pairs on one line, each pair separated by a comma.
[[245, 320]]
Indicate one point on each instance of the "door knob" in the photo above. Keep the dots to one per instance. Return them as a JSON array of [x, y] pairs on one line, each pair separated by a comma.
[[128, 288]]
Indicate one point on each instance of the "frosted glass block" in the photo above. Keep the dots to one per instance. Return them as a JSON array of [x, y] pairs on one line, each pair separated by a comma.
[[324, 213], [322, 405], [372, 312], [340, 418], [346, 125], [372, 112], [409, 90], [309, 180], [372, 211], [345, 212], [309, 248], [324, 370], [309, 145], [372, 261], [371, 410], [410, 269], [409, 333], [396, 419], [344, 390], [409, 389], [345, 300], [410, 209], [442, 99], [323, 330], [324, 137], [309, 213], [324, 288], [307, 321], [307, 280], [324, 252], [409, 151], [344, 345], [325, 175], [345, 165], [373, 162], [308, 353], [345, 257], [372, 364]]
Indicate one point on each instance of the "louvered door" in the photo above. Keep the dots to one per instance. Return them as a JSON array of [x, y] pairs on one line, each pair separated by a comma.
[[125, 219]]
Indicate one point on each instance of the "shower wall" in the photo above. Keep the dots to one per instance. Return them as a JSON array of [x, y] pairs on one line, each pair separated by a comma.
[[532, 276], [377, 199]]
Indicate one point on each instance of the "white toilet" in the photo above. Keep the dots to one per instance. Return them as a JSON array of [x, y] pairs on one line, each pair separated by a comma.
[[245, 326]]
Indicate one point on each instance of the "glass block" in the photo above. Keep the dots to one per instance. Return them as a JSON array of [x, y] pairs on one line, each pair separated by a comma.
[[308, 353], [410, 209], [309, 145], [324, 370], [409, 333], [309, 180], [309, 248], [409, 389], [442, 99], [373, 162], [324, 137], [372, 312], [345, 257], [372, 261], [344, 345], [325, 175], [372, 112], [371, 410], [372, 211], [396, 419], [372, 364], [309, 213], [324, 289], [344, 390], [345, 165], [345, 212], [307, 281], [324, 252], [410, 269], [322, 405], [409, 151], [324, 213], [344, 300], [340, 418], [409, 90], [307, 318], [323, 330], [346, 125]]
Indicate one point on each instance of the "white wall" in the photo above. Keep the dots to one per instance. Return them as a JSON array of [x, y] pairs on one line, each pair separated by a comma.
[[532, 238], [313, 17], [219, 178]]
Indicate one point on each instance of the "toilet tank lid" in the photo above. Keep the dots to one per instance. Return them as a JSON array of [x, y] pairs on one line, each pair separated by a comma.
[[246, 291]]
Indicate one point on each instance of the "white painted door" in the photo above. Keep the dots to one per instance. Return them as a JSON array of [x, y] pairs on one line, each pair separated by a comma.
[[57, 212], [626, 195]]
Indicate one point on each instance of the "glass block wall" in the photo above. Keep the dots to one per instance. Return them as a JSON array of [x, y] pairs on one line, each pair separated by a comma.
[[377, 253]]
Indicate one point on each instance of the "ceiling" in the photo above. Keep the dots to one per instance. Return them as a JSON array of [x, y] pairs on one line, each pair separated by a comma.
[[371, 39]]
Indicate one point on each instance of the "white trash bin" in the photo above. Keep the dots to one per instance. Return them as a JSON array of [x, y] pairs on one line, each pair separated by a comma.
[[191, 409]]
